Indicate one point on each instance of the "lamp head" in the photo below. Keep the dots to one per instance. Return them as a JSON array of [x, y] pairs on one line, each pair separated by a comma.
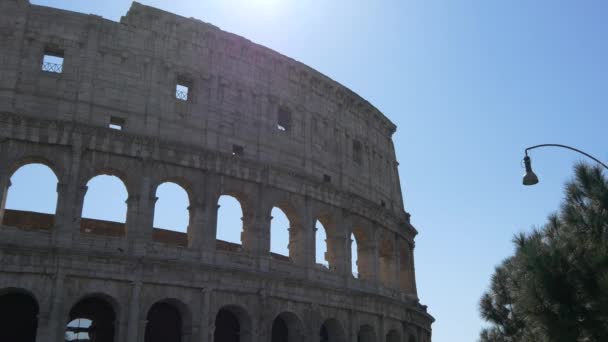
[[530, 177]]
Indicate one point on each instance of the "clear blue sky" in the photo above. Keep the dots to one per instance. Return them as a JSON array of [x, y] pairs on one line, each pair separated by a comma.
[[470, 84]]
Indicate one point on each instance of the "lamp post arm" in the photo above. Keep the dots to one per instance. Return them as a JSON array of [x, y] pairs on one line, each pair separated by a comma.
[[569, 148]]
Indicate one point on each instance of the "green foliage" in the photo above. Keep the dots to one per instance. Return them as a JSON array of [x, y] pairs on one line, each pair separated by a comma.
[[555, 287]]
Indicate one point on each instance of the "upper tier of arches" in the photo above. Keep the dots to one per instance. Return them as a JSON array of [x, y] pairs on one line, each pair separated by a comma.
[[378, 260]]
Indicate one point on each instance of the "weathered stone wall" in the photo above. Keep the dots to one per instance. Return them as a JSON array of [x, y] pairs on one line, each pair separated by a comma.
[[129, 71]]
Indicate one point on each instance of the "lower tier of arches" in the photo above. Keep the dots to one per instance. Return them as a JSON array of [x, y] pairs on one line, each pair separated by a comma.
[[75, 297]]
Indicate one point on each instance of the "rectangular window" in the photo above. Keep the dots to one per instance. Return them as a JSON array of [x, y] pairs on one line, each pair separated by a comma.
[[237, 150], [357, 152], [52, 61], [117, 123], [182, 90], [284, 120], [327, 178]]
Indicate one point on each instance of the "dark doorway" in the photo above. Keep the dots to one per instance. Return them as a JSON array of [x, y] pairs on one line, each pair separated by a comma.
[[18, 317], [324, 335], [366, 334], [227, 327], [280, 332], [91, 319], [164, 324]]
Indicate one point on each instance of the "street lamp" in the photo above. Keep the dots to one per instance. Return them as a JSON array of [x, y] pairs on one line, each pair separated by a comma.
[[530, 177]]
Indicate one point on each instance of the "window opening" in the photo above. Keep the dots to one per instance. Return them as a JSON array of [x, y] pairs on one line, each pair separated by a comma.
[[284, 120], [104, 210], [321, 244], [357, 152], [229, 223], [182, 90], [327, 178], [279, 232], [171, 214], [52, 61], [116, 123], [237, 150], [354, 253]]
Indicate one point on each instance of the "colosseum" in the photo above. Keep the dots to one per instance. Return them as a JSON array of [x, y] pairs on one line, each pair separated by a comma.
[[161, 98]]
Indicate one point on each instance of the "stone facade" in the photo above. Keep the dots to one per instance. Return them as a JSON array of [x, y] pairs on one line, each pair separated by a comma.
[[247, 122]]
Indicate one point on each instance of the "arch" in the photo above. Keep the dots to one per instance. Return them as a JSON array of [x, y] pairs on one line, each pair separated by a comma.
[[393, 336], [230, 220], [18, 316], [232, 324], [366, 334], [171, 214], [167, 321], [280, 230], [30, 198], [331, 331], [354, 255], [104, 209], [321, 245], [287, 234], [287, 327], [92, 317]]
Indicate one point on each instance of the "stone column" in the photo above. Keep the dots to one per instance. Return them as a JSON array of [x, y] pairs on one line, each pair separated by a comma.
[[208, 206], [338, 242], [256, 225], [308, 232], [57, 320], [206, 326], [5, 184], [196, 211], [381, 334], [45, 331], [69, 199], [297, 244], [134, 304], [413, 291], [140, 212]]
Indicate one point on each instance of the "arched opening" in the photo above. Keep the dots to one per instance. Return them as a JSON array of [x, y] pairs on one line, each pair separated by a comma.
[[366, 334], [279, 233], [104, 210], [280, 332], [91, 319], [354, 253], [230, 227], [232, 324], [331, 331], [286, 327], [171, 215], [164, 323], [321, 244], [393, 336], [364, 254], [18, 317], [31, 198], [387, 262]]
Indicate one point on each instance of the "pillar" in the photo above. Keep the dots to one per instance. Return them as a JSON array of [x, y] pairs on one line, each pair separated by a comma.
[[5, 184], [70, 196], [134, 305], [57, 318]]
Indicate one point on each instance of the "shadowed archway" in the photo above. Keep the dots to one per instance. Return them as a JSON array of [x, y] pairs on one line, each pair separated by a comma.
[[18, 317]]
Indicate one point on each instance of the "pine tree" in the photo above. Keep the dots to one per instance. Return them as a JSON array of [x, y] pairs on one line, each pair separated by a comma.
[[555, 287]]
